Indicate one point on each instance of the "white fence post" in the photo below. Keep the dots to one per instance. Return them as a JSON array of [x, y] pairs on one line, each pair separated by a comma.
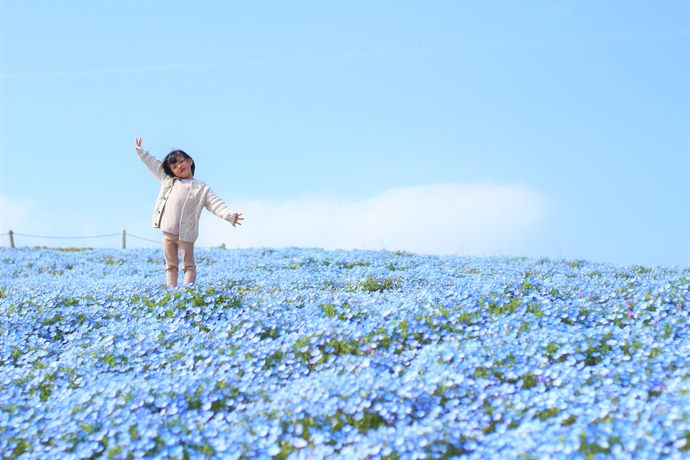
[[11, 233], [124, 239]]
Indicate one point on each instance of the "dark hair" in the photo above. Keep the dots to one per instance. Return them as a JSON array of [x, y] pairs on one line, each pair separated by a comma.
[[171, 159]]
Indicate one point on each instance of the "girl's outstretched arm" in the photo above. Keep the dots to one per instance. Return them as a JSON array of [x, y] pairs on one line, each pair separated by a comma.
[[220, 209], [154, 164]]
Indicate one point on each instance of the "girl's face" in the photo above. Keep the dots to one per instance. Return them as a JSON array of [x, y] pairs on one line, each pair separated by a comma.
[[182, 168]]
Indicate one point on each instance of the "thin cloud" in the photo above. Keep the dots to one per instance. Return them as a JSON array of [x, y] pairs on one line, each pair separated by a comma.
[[175, 67], [355, 55]]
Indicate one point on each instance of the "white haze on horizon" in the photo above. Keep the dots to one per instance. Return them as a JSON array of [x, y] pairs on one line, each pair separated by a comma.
[[474, 219], [465, 219]]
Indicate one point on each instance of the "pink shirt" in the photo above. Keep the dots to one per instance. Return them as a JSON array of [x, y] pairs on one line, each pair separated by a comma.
[[172, 211]]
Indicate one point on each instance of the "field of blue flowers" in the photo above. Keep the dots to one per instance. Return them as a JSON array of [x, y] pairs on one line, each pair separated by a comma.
[[309, 354]]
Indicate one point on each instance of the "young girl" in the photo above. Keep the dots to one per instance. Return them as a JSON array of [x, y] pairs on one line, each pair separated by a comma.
[[178, 209]]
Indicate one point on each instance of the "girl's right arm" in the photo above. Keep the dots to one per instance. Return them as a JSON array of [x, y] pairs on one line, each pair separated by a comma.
[[154, 164]]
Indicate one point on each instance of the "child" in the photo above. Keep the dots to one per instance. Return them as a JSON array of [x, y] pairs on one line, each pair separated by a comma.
[[178, 209]]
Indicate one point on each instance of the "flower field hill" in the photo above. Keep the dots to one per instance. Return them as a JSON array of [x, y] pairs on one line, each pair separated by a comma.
[[309, 354]]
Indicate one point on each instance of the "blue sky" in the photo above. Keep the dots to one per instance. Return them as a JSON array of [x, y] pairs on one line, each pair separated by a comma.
[[519, 128]]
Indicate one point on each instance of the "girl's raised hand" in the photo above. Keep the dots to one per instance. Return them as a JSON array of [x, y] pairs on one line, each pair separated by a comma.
[[238, 218], [138, 142]]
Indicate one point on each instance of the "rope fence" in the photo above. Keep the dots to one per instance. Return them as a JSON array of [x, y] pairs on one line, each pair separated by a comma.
[[66, 237], [145, 239], [123, 235]]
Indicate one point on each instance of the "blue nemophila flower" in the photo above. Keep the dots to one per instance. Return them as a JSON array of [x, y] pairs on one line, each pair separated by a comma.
[[340, 354]]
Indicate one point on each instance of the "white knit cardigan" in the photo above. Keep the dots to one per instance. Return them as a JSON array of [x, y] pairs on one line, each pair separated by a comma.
[[200, 196]]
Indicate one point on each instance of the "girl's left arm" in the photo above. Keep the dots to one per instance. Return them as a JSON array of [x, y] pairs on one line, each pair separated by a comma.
[[220, 209]]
